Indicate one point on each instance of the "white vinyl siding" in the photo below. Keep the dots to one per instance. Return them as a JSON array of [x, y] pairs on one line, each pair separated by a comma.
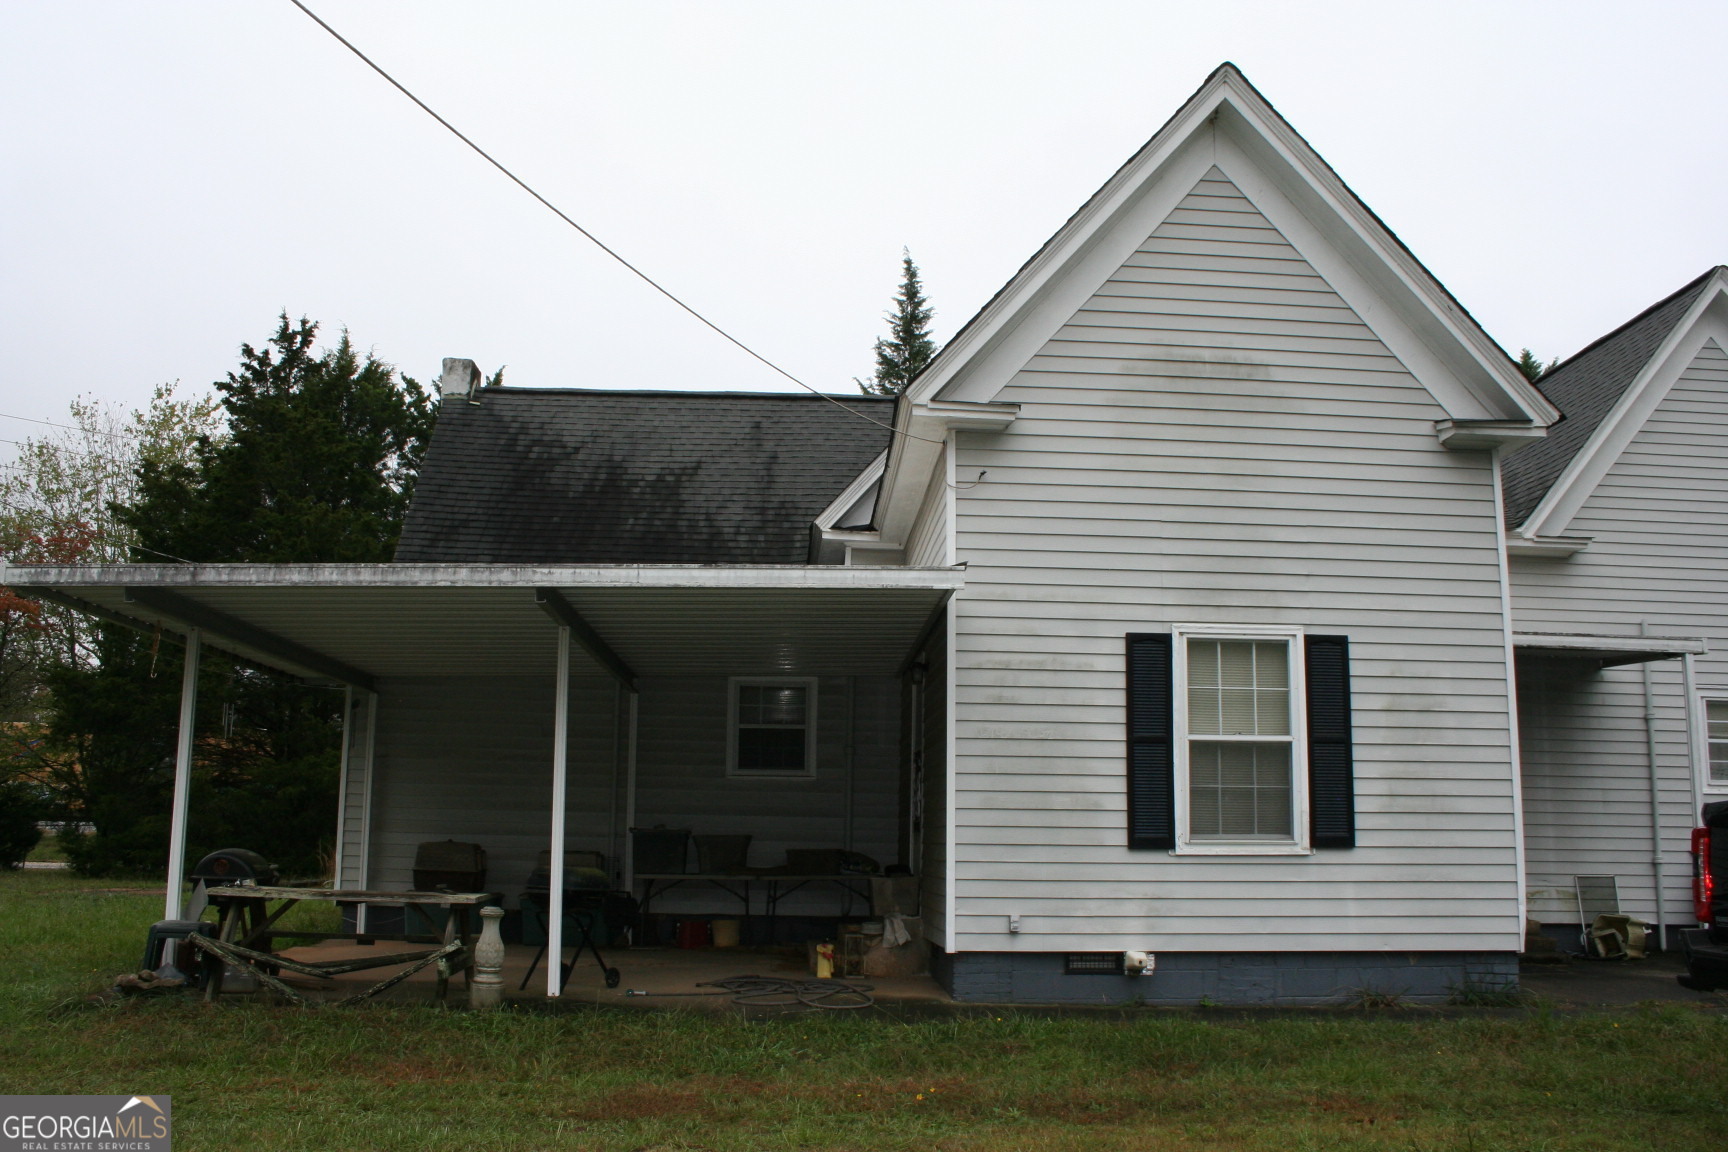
[[1216, 438], [471, 759], [928, 544], [1659, 522], [354, 819]]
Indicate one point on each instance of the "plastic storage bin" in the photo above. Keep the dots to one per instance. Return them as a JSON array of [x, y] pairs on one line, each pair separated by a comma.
[[661, 850]]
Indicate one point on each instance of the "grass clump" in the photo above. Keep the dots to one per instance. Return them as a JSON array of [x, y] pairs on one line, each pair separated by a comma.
[[390, 1076]]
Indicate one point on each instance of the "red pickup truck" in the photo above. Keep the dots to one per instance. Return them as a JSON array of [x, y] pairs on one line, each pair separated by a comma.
[[1706, 947]]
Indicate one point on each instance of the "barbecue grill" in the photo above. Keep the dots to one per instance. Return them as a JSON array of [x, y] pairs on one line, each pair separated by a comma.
[[449, 866], [234, 866], [227, 866], [590, 909]]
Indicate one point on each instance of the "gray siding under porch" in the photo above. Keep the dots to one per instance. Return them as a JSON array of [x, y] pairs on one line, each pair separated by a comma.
[[1659, 523], [471, 759], [1218, 437]]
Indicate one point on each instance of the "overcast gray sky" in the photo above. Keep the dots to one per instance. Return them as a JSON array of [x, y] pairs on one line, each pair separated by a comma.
[[175, 174]]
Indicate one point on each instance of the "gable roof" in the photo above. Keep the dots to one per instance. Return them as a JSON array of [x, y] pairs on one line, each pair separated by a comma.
[[580, 476], [1585, 388], [1229, 124]]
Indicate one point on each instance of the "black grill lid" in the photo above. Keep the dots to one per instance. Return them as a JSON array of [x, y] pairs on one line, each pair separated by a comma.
[[230, 865]]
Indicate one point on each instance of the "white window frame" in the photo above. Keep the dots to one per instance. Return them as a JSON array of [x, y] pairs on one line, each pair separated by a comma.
[[809, 684], [1293, 636], [1707, 783]]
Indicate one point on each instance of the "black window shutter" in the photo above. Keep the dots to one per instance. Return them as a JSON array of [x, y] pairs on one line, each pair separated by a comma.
[[1331, 772], [1151, 753]]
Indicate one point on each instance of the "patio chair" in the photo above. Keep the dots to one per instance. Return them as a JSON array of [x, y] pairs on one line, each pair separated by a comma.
[[1597, 896]]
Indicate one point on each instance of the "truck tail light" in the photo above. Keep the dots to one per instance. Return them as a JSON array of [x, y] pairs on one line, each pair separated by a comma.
[[1703, 883]]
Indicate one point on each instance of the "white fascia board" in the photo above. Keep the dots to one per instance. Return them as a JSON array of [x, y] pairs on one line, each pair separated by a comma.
[[853, 494], [1704, 322], [1019, 320], [916, 460], [1230, 125], [192, 576]]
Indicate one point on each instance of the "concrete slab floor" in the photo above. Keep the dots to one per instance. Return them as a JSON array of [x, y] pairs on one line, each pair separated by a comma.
[[670, 976], [1580, 983]]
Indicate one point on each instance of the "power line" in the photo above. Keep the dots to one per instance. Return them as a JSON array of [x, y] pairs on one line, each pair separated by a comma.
[[68, 451], [68, 427], [595, 240], [59, 449]]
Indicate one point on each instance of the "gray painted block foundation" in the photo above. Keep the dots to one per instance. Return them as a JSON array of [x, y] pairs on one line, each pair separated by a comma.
[[1264, 979]]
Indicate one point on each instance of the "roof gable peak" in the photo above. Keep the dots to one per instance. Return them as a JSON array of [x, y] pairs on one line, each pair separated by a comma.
[[1227, 123]]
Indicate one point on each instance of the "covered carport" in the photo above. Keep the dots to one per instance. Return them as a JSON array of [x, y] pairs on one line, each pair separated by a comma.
[[1610, 780], [365, 626]]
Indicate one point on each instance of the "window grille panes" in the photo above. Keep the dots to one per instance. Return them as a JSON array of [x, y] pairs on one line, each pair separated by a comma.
[[1239, 791], [1716, 720], [1238, 688], [772, 728], [771, 704]]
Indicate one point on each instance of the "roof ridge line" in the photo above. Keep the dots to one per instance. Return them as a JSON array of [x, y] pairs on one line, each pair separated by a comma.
[[1689, 286], [565, 390]]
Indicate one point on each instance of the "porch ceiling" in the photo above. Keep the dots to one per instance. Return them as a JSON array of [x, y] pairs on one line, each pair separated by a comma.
[[337, 622]]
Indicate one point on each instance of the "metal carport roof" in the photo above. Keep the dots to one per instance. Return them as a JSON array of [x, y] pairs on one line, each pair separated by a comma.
[[354, 623]]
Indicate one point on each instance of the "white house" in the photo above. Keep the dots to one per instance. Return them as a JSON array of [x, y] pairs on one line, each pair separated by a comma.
[[1169, 611], [1619, 543]]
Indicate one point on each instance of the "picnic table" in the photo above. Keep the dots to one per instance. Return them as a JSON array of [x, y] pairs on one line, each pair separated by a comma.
[[247, 924]]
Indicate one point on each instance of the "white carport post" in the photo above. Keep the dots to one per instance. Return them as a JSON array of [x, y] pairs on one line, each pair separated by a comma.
[[560, 787], [630, 793], [174, 907]]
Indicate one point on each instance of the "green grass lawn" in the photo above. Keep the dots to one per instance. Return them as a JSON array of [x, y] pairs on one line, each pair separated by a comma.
[[47, 849], [247, 1075]]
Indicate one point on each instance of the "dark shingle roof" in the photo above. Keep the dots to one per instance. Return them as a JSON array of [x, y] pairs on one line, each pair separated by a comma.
[[1585, 389], [544, 476]]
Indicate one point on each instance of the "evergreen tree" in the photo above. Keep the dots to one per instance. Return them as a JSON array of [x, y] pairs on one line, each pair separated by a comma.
[[1533, 367], [907, 348], [316, 464]]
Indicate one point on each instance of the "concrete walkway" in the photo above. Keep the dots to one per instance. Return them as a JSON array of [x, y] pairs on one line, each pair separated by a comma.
[[1579, 983]]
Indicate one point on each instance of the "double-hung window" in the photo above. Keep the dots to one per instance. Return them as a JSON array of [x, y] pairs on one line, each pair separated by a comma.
[[1239, 741], [772, 726], [1716, 743], [1239, 748]]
